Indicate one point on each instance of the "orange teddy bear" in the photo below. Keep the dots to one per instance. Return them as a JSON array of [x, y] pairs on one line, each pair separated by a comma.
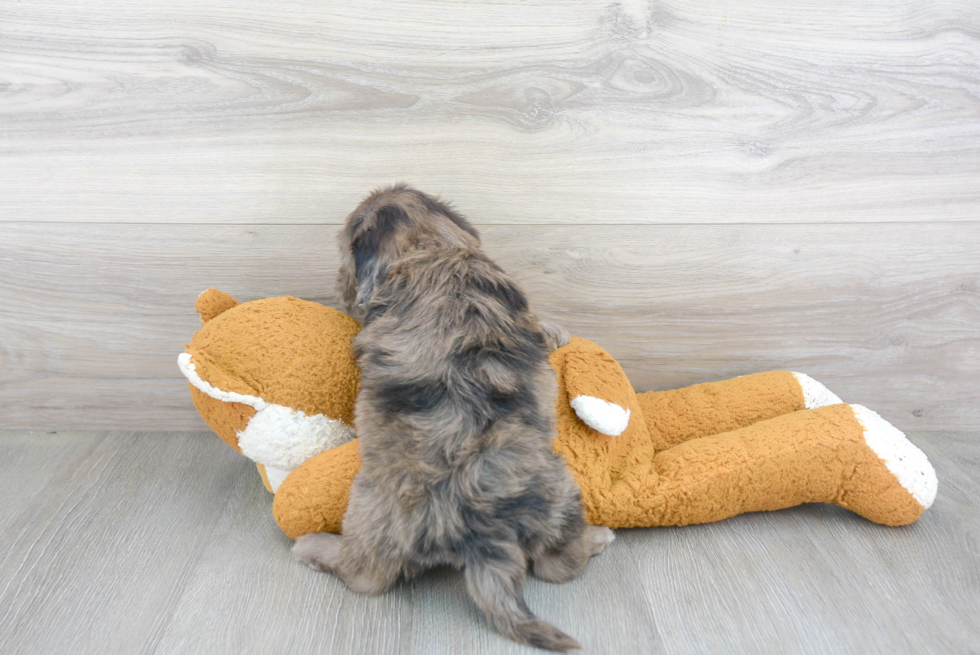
[[275, 378]]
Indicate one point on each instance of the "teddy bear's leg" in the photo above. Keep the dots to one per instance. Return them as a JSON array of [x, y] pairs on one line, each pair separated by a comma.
[[841, 454], [678, 415]]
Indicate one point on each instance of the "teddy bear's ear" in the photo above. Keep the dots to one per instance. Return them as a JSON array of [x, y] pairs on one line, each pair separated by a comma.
[[212, 302]]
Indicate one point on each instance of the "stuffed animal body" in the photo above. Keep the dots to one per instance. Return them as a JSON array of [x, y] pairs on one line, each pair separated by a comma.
[[276, 380]]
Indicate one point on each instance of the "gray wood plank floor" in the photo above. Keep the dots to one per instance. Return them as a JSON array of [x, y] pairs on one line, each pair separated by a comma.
[[164, 543]]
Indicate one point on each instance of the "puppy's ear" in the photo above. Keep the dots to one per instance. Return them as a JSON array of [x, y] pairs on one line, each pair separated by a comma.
[[370, 266], [373, 249], [346, 282], [435, 206]]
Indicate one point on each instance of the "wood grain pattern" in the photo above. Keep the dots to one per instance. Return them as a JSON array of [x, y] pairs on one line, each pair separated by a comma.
[[524, 112], [886, 315], [247, 595], [277, 606], [164, 543], [604, 609], [855, 587], [148, 151], [97, 559], [706, 189], [30, 462]]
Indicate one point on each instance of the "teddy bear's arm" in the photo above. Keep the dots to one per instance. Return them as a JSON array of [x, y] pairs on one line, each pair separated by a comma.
[[597, 388], [677, 415], [313, 497]]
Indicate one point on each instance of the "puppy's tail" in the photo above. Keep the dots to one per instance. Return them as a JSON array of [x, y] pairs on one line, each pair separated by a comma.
[[496, 583]]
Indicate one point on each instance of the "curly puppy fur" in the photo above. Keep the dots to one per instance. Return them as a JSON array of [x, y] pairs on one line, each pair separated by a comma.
[[455, 418]]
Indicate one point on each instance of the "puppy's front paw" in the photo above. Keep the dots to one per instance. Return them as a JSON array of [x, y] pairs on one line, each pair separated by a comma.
[[320, 550], [554, 334]]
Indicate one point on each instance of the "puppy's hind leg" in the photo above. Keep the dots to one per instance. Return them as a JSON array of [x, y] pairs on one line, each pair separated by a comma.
[[495, 580], [320, 550], [566, 563], [332, 553]]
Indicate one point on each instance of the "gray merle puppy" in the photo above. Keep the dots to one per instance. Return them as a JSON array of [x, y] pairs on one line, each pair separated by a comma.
[[455, 418]]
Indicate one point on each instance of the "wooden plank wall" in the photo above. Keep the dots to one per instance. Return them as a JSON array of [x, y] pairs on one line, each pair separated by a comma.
[[707, 189]]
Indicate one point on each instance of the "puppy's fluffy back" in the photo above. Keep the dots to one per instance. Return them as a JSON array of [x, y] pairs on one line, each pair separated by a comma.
[[456, 408], [449, 345]]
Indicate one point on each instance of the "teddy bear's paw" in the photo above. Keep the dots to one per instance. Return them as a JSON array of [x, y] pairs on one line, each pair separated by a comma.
[[276, 477], [601, 415], [320, 550], [815, 394], [904, 460]]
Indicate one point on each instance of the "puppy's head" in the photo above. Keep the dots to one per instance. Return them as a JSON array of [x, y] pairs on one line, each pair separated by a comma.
[[387, 225]]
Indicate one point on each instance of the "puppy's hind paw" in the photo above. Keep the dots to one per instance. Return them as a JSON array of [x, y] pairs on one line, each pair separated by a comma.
[[320, 550], [599, 537]]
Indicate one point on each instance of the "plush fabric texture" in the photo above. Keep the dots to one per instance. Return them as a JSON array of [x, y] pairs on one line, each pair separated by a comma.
[[265, 478], [677, 415], [601, 415], [274, 378], [817, 456], [213, 302], [703, 453], [283, 438], [226, 419], [287, 351], [908, 464], [770, 454], [314, 496]]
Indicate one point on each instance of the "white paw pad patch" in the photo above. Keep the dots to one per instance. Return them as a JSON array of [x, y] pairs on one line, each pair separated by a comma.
[[908, 464], [601, 415], [815, 394]]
